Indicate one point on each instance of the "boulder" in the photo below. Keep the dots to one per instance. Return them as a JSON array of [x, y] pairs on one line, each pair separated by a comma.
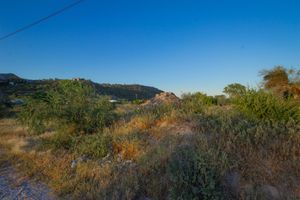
[[163, 98]]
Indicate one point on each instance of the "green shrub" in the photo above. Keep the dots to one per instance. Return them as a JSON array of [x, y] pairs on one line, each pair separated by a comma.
[[157, 111], [93, 146], [193, 176], [196, 103], [70, 103], [138, 101], [235, 90], [34, 114], [62, 140], [221, 100], [266, 106], [76, 103]]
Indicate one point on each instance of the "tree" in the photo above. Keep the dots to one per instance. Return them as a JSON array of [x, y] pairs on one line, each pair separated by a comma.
[[234, 90], [282, 81]]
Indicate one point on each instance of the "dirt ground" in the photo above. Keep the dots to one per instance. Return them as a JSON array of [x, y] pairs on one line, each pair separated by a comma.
[[13, 186]]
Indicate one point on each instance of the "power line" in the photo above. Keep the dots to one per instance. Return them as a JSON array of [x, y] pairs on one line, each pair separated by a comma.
[[28, 26]]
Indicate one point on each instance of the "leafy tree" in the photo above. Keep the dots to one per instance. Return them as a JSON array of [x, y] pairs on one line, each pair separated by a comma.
[[282, 81], [276, 77], [235, 90]]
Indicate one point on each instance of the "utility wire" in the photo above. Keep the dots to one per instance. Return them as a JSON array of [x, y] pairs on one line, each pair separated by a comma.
[[28, 26]]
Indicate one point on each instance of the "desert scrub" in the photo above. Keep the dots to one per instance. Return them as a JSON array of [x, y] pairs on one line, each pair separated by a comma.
[[196, 103], [156, 111], [34, 115], [193, 175], [267, 107], [271, 146], [69, 104], [93, 146]]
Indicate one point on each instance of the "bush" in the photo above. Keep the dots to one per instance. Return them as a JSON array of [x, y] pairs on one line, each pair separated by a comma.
[[267, 107], [34, 114], [70, 104], [61, 140], [196, 103], [221, 100], [156, 112], [193, 176], [76, 103], [138, 101], [235, 90], [93, 146]]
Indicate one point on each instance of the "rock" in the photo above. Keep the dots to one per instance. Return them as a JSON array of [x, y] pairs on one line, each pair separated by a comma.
[[232, 182], [105, 160], [119, 158], [269, 192], [73, 164], [79, 160], [163, 98], [126, 164], [82, 159], [17, 102]]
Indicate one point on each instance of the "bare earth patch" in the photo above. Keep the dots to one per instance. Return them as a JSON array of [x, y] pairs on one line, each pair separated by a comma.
[[15, 186]]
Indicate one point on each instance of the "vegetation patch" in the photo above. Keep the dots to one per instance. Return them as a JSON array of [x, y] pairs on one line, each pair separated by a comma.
[[239, 146]]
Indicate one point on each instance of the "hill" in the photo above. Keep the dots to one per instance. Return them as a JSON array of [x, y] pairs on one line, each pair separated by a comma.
[[129, 92], [12, 85], [8, 77]]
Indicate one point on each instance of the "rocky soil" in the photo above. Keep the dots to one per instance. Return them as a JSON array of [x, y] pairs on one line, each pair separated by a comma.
[[14, 186]]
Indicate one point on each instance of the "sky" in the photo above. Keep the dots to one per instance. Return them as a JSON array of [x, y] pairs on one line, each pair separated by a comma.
[[176, 45]]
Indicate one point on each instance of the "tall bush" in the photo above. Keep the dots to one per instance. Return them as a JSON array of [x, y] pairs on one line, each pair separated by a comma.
[[193, 175], [196, 103], [70, 104], [266, 106]]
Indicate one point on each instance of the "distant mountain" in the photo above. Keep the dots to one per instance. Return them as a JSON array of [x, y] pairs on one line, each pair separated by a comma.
[[22, 87], [8, 77]]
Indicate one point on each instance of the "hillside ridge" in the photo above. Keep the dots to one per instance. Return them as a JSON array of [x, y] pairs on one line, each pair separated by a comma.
[[11, 84]]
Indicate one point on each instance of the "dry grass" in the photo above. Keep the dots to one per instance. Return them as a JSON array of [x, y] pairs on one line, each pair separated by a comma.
[[150, 143]]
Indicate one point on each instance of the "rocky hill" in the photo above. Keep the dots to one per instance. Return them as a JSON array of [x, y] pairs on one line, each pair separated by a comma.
[[11, 84], [163, 98]]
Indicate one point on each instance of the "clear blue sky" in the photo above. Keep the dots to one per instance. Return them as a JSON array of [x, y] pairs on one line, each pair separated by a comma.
[[200, 45]]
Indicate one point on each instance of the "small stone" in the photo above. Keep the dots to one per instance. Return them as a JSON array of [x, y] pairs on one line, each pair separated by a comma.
[[73, 164], [83, 159], [270, 192]]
